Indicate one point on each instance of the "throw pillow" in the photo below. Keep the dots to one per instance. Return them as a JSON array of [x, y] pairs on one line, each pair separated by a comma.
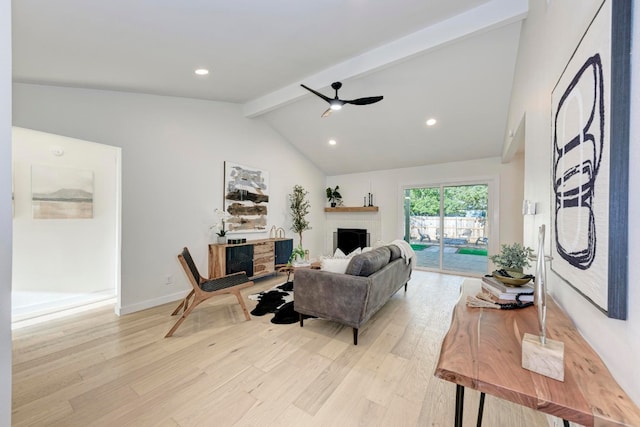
[[355, 252], [335, 265], [339, 254], [368, 263]]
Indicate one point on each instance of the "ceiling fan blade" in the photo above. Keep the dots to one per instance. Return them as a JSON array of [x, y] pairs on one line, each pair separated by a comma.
[[326, 98], [364, 101], [327, 112]]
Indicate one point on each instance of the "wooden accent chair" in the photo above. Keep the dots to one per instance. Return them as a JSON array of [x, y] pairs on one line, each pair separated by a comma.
[[204, 289]]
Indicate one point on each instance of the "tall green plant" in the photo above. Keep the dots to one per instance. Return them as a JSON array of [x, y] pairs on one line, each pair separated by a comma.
[[299, 206]]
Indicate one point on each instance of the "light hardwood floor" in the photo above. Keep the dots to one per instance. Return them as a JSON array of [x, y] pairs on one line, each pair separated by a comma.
[[220, 370]]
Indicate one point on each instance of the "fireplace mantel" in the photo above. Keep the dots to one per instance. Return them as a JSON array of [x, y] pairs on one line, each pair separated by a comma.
[[352, 209]]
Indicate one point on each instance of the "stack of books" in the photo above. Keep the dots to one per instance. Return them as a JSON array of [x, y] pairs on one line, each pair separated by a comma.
[[507, 293]]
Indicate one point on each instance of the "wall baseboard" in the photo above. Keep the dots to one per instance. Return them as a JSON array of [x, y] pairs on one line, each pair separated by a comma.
[[143, 305]]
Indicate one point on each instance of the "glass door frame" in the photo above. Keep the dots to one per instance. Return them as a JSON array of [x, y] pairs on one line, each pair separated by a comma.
[[493, 214]]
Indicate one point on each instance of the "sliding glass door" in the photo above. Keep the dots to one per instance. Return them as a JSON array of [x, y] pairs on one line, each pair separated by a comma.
[[447, 227]]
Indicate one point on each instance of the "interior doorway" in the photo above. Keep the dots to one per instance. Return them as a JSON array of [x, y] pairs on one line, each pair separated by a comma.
[[66, 223], [446, 224]]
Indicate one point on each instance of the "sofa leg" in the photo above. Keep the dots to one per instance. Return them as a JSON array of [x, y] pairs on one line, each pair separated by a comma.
[[301, 320], [355, 336], [405, 287]]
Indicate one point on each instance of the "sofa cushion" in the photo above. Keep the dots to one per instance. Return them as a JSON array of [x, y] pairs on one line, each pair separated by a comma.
[[369, 262], [335, 265], [395, 252]]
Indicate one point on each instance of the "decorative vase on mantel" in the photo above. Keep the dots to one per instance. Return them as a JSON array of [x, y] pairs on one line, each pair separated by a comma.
[[222, 240]]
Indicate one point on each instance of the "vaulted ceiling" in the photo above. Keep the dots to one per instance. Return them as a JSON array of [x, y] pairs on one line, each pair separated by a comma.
[[450, 60]]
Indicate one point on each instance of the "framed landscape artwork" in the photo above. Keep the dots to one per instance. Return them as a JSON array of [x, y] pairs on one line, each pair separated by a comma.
[[61, 193], [246, 198], [590, 145]]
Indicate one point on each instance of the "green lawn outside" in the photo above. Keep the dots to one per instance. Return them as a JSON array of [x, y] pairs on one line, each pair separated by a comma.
[[472, 251]]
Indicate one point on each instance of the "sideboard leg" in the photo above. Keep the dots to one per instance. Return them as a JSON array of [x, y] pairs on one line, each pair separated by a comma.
[[459, 405], [480, 410], [301, 320]]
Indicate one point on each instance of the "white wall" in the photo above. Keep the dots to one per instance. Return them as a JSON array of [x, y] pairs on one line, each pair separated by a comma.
[[90, 257], [549, 36], [387, 186], [173, 151], [5, 213]]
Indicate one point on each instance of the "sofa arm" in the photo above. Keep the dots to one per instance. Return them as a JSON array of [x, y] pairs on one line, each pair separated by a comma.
[[333, 296]]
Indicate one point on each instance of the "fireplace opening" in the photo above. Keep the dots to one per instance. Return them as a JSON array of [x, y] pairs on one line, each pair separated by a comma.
[[349, 239]]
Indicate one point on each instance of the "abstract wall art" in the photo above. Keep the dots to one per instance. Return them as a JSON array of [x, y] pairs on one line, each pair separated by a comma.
[[590, 143], [246, 198], [61, 193]]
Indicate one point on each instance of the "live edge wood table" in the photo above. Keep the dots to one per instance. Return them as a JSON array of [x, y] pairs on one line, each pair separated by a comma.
[[482, 350]]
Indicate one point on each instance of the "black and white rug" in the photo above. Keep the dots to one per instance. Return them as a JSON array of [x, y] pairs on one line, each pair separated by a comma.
[[277, 300]]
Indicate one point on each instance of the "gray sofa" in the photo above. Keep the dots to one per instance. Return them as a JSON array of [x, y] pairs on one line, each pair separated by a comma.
[[352, 298]]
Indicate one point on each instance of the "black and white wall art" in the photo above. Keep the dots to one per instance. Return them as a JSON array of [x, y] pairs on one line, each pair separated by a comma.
[[590, 140], [246, 198]]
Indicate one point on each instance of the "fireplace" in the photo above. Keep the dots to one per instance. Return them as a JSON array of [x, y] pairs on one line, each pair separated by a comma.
[[349, 239]]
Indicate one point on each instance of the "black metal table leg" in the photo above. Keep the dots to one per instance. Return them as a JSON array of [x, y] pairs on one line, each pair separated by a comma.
[[565, 422], [459, 405], [480, 410]]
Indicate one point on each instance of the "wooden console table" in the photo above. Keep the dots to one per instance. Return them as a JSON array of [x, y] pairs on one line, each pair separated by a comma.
[[482, 350], [258, 258]]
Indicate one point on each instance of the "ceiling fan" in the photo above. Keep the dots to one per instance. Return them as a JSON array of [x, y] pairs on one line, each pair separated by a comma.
[[337, 103]]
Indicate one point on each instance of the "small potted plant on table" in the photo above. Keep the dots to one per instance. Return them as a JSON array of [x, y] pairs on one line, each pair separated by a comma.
[[510, 262]]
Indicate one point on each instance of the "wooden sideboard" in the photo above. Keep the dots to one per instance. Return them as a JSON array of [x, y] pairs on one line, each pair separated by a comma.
[[482, 350], [257, 258]]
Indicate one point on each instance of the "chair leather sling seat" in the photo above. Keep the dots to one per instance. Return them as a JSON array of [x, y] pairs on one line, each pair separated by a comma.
[[224, 282]]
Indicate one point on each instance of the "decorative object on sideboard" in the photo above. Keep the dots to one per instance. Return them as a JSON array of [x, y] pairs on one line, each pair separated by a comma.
[[539, 353], [219, 226], [276, 232], [334, 196]]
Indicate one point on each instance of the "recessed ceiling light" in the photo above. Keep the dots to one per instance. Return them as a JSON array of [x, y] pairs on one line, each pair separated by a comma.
[[202, 71], [332, 142], [431, 122]]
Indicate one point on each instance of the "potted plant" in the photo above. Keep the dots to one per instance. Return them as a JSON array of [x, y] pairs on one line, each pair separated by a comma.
[[299, 206], [334, 196], [297, 253], [219, 226], [512, 257]]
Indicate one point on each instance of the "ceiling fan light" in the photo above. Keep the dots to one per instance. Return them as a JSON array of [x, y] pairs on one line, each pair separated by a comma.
[[335, 105]]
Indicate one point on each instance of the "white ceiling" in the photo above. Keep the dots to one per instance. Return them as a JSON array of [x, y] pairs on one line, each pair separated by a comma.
[[452, 60]]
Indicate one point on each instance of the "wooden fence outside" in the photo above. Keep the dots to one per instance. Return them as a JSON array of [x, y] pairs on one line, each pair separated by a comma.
[[470, 229]]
